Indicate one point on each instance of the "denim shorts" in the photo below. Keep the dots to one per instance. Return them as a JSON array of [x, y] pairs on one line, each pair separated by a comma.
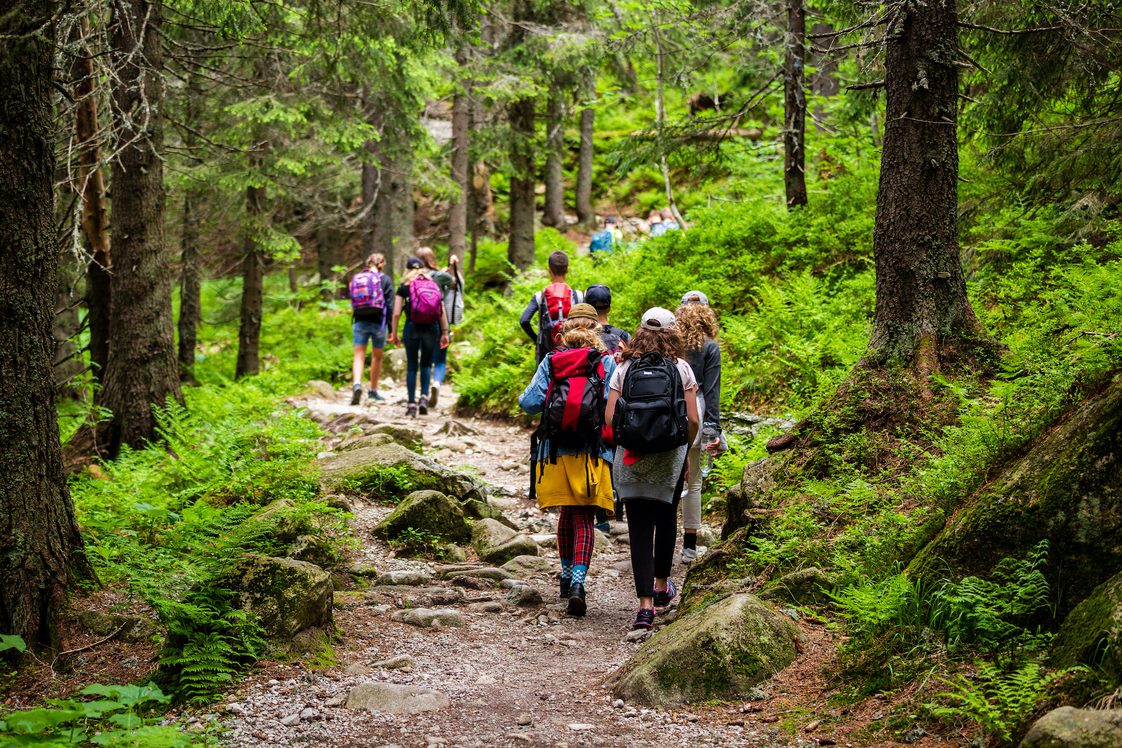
[[373, 332]]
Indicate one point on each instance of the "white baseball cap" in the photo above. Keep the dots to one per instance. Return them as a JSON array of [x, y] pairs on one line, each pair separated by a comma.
[[695, 297], [657, 318]]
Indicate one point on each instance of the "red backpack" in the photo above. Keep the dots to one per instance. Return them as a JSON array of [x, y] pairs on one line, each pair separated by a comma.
[[553, 309], [425, 300]]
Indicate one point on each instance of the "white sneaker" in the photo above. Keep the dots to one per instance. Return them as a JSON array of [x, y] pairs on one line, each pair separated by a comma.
[[689, 555]]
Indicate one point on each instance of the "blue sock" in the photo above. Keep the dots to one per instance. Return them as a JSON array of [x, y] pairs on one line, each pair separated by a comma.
[[566, 569], [579, 572]]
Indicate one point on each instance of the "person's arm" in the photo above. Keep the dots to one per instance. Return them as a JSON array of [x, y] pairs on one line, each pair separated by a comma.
[[532, 399], [691, 413], [443, 327], [610, 410], [711, 384], [397, 307], [527, 320]]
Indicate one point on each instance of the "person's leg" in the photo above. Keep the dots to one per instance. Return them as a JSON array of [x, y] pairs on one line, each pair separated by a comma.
[[412, 354], [665, 520], [358, 364], [691, 505], [430, 340], [439, 364], [584, 539], [640, 529], [360, 335], [565, 547], [376, 367]]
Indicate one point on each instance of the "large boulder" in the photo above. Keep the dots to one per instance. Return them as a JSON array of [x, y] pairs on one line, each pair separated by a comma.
[[1092, 632], [1068, 727], [752, 492], [389, 698], [519, 545], [286, 595], [719, 652], [1066, 489], [430, 511], [387, 472], [489, 533]]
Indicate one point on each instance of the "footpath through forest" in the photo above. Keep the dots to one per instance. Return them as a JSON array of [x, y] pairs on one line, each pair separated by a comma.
[[495, 666]]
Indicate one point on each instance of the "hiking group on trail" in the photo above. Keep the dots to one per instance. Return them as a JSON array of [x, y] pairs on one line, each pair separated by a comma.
[[628, 421]]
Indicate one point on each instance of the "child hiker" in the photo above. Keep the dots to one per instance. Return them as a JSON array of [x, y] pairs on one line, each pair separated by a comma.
[[552, 306], [370, 290], [426, 327], [698, 326], [569, 462], [652, 407], [450, 282]]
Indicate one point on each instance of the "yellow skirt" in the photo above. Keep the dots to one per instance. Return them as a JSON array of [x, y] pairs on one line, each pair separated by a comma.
[[575, 480]]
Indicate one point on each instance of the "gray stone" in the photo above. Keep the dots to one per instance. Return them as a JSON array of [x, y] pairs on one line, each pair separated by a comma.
[[719, 652], [524, 596], [545, 539], [429, 617], [1092, 632], [526, 566], [1068, 727], [389, 698], [520, 545], [407, 436], [488, 533], [286, 595], [130, 629], [406, 578], [323, 389], [291, 720], [401, 662], [489, 606], [491, 573], [429, 511], [389, 471]]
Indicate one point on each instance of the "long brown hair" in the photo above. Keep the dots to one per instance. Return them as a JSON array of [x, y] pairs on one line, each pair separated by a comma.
[[667, 341], [427, 256], [582, 333], [696, 323]]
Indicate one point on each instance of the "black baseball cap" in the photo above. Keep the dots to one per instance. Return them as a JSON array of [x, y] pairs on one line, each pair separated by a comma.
[[599, 296], [413, 263]]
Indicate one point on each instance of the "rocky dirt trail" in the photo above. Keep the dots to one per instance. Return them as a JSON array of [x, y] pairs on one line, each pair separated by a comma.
[[498, 667]]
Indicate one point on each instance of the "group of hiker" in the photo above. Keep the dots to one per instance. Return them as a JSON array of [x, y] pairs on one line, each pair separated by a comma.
[[431, 299], [616, 232], [625, 420]]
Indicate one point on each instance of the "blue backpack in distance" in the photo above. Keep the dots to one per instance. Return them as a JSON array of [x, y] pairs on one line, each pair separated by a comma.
[[601, 241]]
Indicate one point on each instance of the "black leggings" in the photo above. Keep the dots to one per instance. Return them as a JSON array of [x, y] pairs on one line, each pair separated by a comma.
[[653, 528]]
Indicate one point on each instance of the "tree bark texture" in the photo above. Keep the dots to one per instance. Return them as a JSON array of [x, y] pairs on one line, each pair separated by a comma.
[[586, 215], [40, 546], [190, 286], [329, 243], [794, 105], [141, 369], [921, 301], [253, 278], [553, 213], [521, 248], [393, 208], [461, 133], [95, 216]]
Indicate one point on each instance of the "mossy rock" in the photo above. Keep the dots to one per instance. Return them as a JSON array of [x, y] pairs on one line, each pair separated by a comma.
[[1066, 489], [405, 435], [1068, 727], [1092, 632], [477, 509], [803, 587], [487, 534], [388, 472], [719, 653], [286, 595], [429, 511], [752, 492]]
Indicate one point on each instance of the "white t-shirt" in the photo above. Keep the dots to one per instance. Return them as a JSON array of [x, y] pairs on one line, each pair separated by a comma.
[[689, 381]]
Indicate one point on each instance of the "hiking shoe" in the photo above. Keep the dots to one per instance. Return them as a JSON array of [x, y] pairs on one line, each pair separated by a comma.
[[376, 396], [565, 588], [644, 619], [356, 394], [577, 606], [411, 410], [423, 404], [662, 599], [434, 394], [604, 527], [689, 555]]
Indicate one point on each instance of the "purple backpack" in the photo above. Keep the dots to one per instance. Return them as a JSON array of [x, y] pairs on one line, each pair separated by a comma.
[[425, 301], [366, 290]]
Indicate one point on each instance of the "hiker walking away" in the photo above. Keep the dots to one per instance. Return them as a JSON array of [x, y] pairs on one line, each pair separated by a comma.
[[652, 408], [370, 290], [600, 297], [698, 326], [570, 467], [451, 284], [551, 307], [426, 328]]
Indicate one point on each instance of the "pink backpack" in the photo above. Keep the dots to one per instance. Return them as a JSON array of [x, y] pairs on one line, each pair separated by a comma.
[[366, 290], [425, 301]]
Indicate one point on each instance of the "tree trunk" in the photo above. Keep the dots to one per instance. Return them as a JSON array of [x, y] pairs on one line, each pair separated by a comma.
[[253, 277], [794, 106], [141, 370], [95, 217], [660, 116], [40, 546], [585, 212], [329, 240], [461, 123], [921, 303], [553, 213], [521, 247], [190, 287], [393, 207]]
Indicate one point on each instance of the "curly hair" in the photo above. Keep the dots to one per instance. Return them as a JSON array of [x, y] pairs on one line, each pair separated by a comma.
[[667, 341], [696, 323], [582, 333]]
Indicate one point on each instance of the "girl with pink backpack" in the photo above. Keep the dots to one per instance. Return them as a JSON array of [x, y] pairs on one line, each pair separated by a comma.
[[426, 328]]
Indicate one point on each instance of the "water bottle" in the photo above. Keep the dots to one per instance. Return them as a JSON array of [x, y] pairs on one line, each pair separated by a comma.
[[709, 432]]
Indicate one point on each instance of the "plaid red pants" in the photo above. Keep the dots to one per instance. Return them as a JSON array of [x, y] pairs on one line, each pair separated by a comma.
[[576, 533]]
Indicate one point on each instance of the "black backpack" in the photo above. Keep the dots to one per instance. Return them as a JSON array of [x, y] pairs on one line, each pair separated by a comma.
[[650, 414]]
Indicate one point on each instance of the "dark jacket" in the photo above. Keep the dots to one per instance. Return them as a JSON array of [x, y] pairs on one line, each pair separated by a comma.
[[706, 365], [530, 322]]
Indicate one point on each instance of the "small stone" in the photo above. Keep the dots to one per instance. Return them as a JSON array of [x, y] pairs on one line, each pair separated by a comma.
[[335, 701], [429, 617], [638, 635], [580, 726], [524, 720], [618, 704], [291, 720], [524, 596], [400, 662], [489, 606], [236, 708], [308, 714]]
